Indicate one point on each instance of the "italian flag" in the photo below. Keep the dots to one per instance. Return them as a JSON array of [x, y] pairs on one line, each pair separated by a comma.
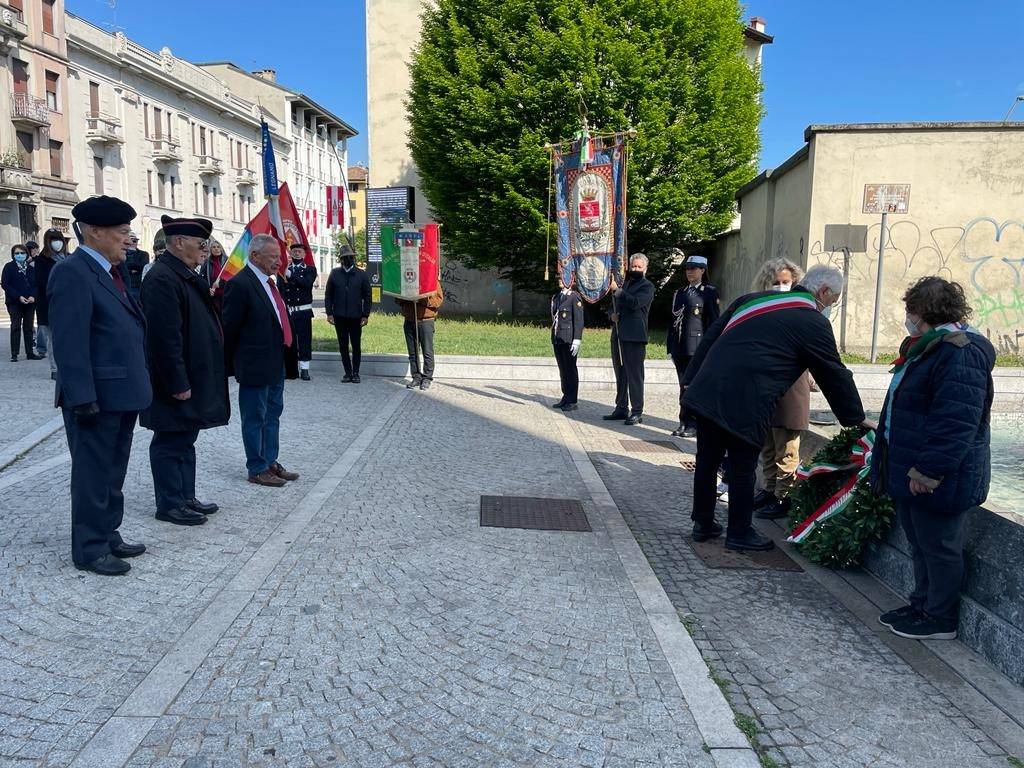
[[410, 259]]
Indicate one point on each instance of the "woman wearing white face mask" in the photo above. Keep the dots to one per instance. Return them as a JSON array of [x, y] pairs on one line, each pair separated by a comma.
[[932, 453], [780, 455], [54, 250], [18, 281]]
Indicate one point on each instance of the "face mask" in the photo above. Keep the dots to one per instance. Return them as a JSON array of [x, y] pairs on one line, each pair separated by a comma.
[[827, 311], [634, 274], [783, 287], [911, 327], [20, 257], [348, 262], [57, 246]]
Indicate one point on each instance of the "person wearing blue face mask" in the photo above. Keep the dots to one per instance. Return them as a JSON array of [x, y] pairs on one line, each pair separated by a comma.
[[19, 284], [54, 250]]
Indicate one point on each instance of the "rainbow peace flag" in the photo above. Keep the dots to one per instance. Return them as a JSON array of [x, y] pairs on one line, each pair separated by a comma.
[[238, 258]]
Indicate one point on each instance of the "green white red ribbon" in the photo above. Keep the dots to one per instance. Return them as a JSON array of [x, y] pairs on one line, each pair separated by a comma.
[[860, 459], [586, 146], [764, 304]]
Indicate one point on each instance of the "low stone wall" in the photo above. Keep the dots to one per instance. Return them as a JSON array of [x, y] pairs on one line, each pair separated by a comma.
[[992, 609]]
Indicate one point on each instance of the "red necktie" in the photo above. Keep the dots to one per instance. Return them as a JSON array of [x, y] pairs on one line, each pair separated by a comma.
[[118, 282], [282, 313]]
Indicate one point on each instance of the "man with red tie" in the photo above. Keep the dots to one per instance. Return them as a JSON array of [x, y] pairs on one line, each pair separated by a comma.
[[258, 344]]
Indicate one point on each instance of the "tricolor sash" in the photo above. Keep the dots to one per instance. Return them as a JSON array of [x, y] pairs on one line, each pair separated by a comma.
[[762, 305]]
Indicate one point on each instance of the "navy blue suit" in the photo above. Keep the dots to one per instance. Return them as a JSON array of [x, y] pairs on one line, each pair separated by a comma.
[[98, 342]]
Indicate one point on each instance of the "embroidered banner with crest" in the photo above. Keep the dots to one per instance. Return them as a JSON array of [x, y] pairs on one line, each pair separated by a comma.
[[590, 199]]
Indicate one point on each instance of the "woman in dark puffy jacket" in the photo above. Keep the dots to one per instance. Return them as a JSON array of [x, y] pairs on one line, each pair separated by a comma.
[[932, 449], [19, 284], [54, 250]]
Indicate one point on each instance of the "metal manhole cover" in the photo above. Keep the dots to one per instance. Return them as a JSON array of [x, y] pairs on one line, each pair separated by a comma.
[[650, 446], [714, 555], [532, 513]]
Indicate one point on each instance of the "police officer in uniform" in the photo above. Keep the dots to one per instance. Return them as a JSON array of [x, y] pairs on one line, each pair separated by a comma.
[[694, 307], [297, 291], [566, 337]]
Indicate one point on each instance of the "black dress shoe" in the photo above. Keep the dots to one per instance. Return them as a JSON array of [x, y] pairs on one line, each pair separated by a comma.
[[560, 404], [616, 415], [33, 356], [751, 541], [14, 358], [202, 507], [356, 379], [425, 384], [678, 431], [124, 549], [182, 516], [414, 384], [635, 419], [108, 565], [762, 499], [346, 379], [304, 374], [774, 509], [703, 533], [570, 407]]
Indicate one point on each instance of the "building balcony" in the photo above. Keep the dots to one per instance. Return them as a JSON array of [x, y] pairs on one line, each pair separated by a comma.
[[165, 150], [29, 111], [103, 129], [245, 177], [207, 165], [12, 26], [15, 183]]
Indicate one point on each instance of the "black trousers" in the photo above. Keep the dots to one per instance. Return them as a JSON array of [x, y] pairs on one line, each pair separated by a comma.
[[713, 443], [349, 331], [426, 348], [172, 457], [937, 548], [628, 364], [99, 462], [302, 327], [567, 371], [22, 319], [680, 362]]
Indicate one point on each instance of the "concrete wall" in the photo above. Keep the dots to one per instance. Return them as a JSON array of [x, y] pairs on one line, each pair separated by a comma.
[[965, 222]]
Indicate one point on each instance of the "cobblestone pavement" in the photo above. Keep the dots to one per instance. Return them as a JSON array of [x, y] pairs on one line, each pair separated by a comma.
[[27, 400], [390, 629], [823, 690]]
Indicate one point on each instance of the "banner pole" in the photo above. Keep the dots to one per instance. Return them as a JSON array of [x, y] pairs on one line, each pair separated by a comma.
[[547, 224]]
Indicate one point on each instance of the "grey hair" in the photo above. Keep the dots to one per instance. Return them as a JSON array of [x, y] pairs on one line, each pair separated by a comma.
[[642, 257], [823, 276], [769, 273], [257, 243]]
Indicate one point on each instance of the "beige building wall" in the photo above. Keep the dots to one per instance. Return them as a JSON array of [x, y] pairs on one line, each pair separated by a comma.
[[965, 221]]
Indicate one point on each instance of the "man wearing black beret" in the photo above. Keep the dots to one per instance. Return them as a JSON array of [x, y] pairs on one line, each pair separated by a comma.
[[98, 334], [185, 347]]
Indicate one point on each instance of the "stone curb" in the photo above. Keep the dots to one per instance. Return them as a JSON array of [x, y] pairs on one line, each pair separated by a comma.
[[712, 713], [11, 453]]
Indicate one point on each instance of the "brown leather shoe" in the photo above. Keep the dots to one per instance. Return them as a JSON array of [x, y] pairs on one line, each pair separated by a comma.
[[267, 478], [283, 473]]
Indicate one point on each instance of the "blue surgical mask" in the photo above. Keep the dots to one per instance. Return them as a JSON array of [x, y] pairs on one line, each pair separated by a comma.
[[57, 246], [21, 257], [827, 311]]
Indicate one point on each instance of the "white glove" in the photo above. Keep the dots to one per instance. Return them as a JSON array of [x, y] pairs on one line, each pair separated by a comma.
[[575, 347], [288, 272]]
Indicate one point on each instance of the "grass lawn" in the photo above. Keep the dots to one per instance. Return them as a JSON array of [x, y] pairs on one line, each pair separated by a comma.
[[520, 337]]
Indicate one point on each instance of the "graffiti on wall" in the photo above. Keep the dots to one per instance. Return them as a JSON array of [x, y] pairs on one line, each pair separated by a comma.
[[989, 249]]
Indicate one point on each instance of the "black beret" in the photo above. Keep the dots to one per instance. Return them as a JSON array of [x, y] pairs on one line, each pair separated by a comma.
[[31, 244], [103, 211], [188, 227]]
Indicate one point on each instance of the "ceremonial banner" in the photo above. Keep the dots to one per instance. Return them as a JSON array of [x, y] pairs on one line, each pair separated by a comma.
[[410, 259], [590, 194], [336, 206]]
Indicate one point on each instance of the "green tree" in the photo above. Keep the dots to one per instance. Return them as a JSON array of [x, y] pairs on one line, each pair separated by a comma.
[[340, 237], [493, 81]]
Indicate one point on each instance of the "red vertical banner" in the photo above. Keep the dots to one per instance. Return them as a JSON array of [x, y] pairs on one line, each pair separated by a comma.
[[430, 258], [335, 206]]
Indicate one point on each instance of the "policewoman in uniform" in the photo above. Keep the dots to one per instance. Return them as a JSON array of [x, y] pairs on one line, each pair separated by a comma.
[[694, 307], [566, 337], [98, 333], [297, 291]]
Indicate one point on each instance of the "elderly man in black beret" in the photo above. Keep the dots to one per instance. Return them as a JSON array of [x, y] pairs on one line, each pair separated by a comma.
[[98, 333], [186, 357]]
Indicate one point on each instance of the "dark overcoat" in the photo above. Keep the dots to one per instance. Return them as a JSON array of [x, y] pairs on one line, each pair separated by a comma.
[[738, 375], [633, 305], [185, 348]]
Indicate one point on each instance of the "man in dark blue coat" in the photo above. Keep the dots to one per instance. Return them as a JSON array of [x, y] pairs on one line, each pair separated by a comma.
[[102, 379], [186, 353], [746, 362], [631, 307]]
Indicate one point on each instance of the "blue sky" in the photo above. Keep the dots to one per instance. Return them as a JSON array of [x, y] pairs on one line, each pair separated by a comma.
[[833, 61]]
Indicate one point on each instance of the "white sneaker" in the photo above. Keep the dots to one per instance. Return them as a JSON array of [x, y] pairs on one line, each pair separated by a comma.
[[723, 493]]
